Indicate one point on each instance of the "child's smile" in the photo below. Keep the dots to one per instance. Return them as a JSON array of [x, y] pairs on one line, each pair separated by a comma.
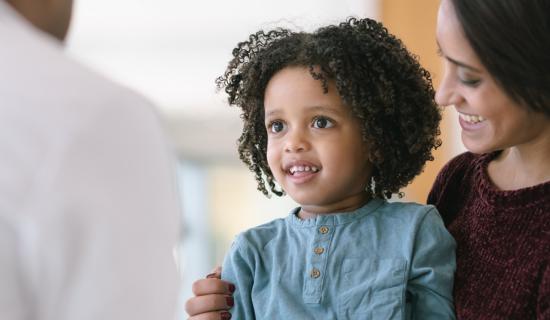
[[315, 148], [301, 171]]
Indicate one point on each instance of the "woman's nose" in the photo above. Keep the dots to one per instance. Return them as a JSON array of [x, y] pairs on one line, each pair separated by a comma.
[[447, 93]]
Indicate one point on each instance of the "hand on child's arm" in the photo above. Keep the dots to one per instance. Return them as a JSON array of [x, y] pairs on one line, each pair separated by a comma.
[[212, 300]]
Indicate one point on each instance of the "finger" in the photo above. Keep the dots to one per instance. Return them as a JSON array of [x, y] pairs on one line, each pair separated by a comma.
[[224, 315], [208, 303], [212, 286], [215, 273]]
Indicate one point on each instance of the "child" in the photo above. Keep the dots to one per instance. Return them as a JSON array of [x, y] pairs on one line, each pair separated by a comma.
[[339, 119]]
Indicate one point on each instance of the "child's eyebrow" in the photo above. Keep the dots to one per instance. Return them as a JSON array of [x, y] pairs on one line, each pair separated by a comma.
[[313, 108], [271, 113], [328, 109], [454, 61], [335, 111]]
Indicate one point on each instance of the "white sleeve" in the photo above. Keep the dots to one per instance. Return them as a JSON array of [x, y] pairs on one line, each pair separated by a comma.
[[12, 301], [100, 242]]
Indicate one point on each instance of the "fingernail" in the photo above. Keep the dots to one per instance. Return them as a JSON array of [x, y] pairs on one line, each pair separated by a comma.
[[211, 275], [229, 301], [231, 288], [225, 315]]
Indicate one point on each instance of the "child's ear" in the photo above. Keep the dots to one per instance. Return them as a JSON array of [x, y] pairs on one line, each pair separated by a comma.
[[375, 157], [367, 147]]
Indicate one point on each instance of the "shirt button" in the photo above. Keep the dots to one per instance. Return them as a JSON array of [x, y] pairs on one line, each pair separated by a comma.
[[319, 250], [315, 273], [323, 230]]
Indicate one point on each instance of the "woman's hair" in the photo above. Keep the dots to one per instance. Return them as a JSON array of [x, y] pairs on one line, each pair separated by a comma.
[[512, 40], [375, 75]]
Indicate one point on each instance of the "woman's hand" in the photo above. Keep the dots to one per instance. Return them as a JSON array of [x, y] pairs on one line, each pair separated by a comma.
[[213, 298]]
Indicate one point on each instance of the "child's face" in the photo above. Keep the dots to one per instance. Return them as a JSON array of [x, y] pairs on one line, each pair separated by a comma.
[[315, 149]]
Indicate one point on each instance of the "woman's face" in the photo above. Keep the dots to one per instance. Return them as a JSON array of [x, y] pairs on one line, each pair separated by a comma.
[[489, 118]]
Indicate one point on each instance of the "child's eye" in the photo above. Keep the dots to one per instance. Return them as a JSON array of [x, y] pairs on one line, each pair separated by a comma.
[[276, 126], [322, 123]]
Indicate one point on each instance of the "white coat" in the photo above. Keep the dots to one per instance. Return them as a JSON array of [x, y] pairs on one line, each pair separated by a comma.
[[89, 215]]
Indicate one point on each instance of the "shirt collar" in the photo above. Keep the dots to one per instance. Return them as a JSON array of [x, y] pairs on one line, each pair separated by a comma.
[[332, 219]]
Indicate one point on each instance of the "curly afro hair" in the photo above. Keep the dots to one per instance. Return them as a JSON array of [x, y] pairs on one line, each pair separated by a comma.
[[375, 75]]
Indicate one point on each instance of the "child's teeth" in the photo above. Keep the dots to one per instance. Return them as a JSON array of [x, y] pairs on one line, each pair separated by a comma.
[[303, 169]]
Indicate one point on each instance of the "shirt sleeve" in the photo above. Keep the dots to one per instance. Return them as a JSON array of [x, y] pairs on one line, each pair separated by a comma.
[[238, 269], [430, 284], [12, 299], [102, 240], [120, 218]]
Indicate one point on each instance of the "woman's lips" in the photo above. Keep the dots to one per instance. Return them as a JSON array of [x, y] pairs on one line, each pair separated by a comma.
[[469, 122]]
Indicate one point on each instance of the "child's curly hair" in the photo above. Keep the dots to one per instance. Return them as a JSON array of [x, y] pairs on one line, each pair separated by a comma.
[[375, 75]]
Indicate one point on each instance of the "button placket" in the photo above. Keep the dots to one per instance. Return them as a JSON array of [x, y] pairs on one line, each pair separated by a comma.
[[318, 259]]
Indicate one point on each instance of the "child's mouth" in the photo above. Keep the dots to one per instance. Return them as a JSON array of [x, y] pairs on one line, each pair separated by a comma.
[[299, 169]]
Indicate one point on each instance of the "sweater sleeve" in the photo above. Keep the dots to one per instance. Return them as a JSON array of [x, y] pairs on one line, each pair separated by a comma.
[[238, 269], [430, 284], [543, 301]]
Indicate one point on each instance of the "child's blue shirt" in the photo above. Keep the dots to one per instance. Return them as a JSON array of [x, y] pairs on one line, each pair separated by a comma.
[[382, 261]]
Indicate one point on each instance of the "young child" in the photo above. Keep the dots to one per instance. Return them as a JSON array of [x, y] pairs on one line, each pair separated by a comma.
[[339, 119]]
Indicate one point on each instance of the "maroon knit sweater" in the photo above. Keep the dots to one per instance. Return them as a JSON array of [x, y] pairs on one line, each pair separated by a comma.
[[503, 242]]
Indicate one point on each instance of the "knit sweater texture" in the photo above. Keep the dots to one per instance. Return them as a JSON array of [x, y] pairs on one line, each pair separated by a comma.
[[503, 241]]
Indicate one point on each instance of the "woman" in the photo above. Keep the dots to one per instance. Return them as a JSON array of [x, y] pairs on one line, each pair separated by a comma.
[[495, 199]]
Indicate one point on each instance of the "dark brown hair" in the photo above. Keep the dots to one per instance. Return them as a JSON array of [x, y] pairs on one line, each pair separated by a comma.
[[512, 40]]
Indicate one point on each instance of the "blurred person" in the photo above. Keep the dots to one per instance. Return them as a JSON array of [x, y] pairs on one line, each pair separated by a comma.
[[89, 215], [494, 198]]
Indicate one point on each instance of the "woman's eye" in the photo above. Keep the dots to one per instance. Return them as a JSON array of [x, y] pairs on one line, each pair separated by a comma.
[[276, 126], [321, 123], [470, 82], [468, 79]]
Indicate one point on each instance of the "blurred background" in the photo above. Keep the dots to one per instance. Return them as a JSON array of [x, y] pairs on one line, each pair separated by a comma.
[[172, 51]]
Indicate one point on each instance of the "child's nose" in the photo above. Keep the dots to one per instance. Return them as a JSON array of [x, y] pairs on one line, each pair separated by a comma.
[[296, 142]]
